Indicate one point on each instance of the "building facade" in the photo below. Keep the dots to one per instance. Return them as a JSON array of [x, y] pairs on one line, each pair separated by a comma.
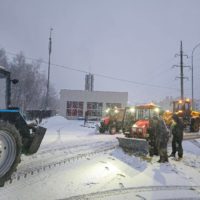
[[74, 103]]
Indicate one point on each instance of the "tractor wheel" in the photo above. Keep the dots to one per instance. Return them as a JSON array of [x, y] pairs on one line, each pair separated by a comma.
[[194, 126], [10, 150]]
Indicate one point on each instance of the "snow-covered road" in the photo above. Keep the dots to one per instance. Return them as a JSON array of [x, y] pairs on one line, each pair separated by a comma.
[[75, 162]]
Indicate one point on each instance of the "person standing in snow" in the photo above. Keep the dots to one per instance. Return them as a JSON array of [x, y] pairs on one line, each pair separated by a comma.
[[86, 117], [152, 131], [158, 138], [177, 132], [162, 140]]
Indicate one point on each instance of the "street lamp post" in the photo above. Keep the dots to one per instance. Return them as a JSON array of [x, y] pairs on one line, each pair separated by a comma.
[[193, 73], [47, 94]]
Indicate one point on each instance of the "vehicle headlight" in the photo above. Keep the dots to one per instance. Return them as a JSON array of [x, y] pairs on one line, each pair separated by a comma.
[[134, 129], [140, 130]]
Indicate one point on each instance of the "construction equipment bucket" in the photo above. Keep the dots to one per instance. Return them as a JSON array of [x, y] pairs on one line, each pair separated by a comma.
[[134, 145], [36, 140]]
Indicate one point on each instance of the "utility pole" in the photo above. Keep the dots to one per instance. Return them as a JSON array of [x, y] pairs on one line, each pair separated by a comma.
[[49, 64], [192, 66], [181, 77]]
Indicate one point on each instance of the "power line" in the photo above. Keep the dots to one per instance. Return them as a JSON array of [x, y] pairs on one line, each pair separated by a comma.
[[97, 74]]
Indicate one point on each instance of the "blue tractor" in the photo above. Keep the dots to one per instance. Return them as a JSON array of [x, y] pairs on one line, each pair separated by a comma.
[[16, 136]]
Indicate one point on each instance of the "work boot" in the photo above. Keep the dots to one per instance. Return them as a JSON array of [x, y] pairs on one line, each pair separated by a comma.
[[166, 159], [172, 155], [180, 157]]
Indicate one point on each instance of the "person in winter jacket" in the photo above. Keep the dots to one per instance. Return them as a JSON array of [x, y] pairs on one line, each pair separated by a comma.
[[177, 132], [162, 140], [152, 131], [158, 138]]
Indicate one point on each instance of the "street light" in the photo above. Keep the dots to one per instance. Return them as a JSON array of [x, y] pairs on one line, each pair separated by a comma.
[[193, 74]]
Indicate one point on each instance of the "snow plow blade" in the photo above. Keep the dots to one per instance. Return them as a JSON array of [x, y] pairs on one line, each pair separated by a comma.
[[36, 140], [134, 145]]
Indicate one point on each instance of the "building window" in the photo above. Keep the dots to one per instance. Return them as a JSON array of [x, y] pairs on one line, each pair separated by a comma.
[[113, 105], [75, 108], [94, 109]]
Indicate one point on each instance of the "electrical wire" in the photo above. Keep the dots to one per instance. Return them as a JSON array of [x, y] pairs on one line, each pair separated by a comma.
[[97, 74]]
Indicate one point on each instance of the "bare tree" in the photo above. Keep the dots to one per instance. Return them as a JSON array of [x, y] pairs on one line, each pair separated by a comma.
[[30, 92], [3, 58]]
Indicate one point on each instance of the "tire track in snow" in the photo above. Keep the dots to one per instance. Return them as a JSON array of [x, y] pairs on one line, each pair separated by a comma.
[[121, 191], [61, 151], [63, 146], [196, 143], [32, 169]]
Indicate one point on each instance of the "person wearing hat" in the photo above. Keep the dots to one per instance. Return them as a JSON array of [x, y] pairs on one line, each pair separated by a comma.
[[177, 132]]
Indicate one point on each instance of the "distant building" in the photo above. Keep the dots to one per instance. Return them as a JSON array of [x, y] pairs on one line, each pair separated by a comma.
[[89, 82], [74, 103], [166, 103]]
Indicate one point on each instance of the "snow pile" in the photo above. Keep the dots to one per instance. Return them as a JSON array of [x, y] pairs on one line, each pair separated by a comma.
[[55, 121]]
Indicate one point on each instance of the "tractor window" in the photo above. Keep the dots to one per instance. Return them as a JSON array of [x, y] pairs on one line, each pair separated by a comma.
[[182, 106], [2, 92], [187, 106], [143, 114], [178, 107]]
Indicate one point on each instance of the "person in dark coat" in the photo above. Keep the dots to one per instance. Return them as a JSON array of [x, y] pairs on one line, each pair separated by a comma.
[[152, 131], [158, 138], [177, 132], [86, 117], [162, 140]]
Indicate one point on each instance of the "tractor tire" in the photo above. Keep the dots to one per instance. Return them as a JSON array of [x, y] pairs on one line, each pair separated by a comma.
[[10, 150], [194, 126]]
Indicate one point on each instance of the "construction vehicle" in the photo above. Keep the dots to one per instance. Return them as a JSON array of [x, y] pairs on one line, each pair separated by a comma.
[[117, 120], [111, 122], [183, 108], [136, 139], [16, 136]]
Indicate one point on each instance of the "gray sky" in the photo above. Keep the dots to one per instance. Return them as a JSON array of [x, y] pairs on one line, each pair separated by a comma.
[[134, 40]]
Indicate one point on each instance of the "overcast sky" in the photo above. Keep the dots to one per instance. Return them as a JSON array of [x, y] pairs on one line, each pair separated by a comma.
[[133, 40]]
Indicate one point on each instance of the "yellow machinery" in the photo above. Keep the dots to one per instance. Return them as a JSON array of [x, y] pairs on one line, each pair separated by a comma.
[[183, 109]]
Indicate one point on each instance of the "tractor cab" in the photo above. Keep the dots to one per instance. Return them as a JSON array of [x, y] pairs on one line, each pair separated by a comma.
[[117, 120], [16, 136], [143, 113], [136, 139], [4, 88], [182, 108], [111, 120]]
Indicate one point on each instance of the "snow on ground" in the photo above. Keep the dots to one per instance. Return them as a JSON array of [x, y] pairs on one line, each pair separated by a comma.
[[76, 162]]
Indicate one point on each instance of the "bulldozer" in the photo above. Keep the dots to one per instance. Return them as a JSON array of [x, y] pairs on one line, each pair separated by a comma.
[[135, 139], [16, 135], [183, 108]]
